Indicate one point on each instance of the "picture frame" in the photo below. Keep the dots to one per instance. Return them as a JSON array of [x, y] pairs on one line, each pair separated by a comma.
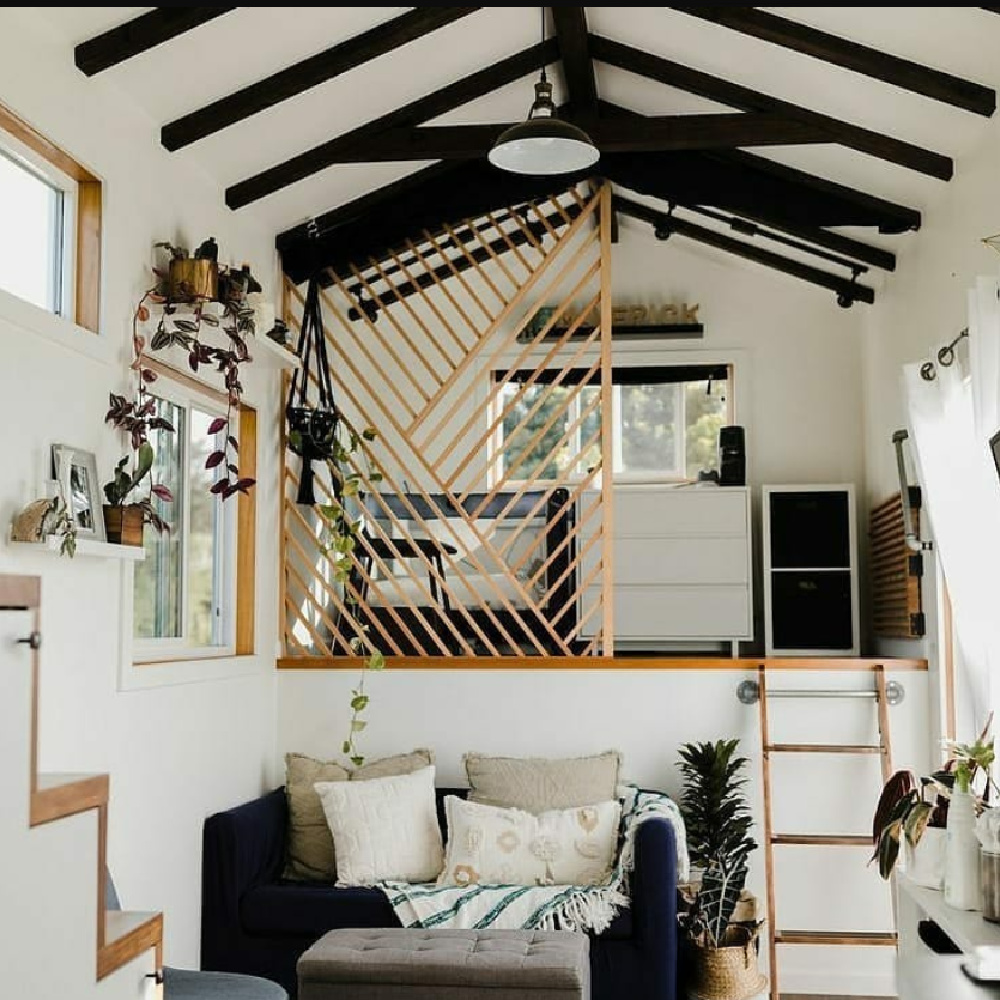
[[76, 472]]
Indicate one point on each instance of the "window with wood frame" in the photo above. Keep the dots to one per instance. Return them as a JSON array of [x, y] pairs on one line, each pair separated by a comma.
[[665, 421], [50, 241], [193, 595]]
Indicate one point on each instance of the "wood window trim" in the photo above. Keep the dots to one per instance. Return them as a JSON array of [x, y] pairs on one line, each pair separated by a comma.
[[246, 521], [89, 217]]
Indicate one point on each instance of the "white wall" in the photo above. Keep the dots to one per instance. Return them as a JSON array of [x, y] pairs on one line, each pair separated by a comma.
[[924, 307], [179, 743], [799, 391]]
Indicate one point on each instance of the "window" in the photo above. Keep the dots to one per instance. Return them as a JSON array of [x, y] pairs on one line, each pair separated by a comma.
[[192, 595], [666, 422], [50, 241]]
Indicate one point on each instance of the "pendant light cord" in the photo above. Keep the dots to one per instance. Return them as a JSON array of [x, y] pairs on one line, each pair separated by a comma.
[[542, 9]]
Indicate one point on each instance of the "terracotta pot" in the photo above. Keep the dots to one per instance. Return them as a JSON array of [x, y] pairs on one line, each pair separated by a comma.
[[124, 524], [191, 279]]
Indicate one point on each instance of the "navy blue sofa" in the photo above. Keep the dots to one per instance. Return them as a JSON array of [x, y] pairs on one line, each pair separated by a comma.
[[255, 922]]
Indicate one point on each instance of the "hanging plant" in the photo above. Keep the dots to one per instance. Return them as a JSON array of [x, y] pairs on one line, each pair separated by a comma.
[[185, 332]]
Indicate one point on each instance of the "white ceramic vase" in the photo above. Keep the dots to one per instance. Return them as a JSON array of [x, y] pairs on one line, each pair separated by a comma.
[[925, 862], [962, 878]]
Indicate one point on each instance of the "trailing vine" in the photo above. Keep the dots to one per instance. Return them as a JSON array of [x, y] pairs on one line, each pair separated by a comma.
[[174, 331], [343, 531]]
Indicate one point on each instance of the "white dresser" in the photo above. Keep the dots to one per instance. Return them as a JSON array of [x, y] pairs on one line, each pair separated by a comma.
[[683, 566]]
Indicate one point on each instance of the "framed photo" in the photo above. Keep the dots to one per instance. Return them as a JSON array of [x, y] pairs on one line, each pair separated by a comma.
[[76, 472]]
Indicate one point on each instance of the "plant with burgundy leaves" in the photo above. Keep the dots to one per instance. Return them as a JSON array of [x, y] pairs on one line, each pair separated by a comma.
[[183, 332]]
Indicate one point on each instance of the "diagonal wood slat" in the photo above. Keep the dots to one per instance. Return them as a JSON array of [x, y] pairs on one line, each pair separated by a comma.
[[513, 571]]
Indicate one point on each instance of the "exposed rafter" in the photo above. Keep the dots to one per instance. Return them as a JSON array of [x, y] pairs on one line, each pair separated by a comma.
[[713, 88], [666, 224], [309, 73], [838, 51], [416, 113], [574, 51], [140, 35], [669, 132]]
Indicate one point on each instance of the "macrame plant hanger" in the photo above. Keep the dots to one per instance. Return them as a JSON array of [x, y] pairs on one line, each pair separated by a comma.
[[312, 427]]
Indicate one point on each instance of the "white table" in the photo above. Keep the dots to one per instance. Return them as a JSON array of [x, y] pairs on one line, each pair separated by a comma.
[[939, 977]]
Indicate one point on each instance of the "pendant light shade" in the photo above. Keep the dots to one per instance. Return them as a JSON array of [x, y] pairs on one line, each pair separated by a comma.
[[543, 144]]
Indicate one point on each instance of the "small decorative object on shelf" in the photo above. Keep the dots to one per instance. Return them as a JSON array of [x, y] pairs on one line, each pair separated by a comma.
[[191, 279], [43, 519], [76, 483], [722, 950]]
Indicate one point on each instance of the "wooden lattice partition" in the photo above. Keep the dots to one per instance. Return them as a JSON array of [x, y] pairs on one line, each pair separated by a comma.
[[481, 354]]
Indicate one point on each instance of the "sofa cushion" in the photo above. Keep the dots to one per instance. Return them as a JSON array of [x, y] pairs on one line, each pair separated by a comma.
[[385, 829], [309, 910], [538, 784], [311, 856]]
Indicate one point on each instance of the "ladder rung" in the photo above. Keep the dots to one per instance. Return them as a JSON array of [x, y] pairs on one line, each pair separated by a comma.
[[818, 693], [821, 840], [878, 939], [822, 748]]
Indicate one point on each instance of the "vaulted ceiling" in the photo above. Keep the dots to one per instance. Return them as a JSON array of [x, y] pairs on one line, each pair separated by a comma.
[[806, 139]]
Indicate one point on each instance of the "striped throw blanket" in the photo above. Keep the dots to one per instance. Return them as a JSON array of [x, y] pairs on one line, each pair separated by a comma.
[[560, 907]]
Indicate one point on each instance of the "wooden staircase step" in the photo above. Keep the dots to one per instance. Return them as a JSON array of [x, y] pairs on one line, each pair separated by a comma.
[[127, 936], [823, 748], [874, 939], [59, 795], [821, 840]]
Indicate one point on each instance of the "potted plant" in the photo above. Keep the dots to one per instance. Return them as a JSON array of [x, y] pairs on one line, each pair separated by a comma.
[[919, 814], [722, 953]]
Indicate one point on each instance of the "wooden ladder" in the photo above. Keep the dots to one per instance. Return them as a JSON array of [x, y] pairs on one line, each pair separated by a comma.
[[771, 840]]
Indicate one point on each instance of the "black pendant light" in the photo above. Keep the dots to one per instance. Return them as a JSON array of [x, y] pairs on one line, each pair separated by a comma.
[[543, 144]]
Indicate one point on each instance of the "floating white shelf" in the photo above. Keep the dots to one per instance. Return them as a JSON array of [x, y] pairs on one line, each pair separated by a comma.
[[265, 353], [86, 547]]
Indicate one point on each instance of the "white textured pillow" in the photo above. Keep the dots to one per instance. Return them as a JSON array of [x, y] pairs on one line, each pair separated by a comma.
[[384, 829], [492, 846]]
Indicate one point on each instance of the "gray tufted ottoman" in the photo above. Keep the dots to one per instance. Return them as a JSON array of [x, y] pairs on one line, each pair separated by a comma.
[[446, 965]]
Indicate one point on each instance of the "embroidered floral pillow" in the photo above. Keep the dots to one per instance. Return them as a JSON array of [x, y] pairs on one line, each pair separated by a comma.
[[492, 846]]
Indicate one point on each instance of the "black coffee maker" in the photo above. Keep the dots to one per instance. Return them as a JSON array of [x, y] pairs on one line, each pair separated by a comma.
[[732, 456]]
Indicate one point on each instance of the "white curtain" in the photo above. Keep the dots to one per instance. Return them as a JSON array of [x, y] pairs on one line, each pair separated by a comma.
[[952, 420]]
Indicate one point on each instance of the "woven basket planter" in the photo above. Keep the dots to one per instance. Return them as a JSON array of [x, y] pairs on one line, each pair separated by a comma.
[[728, 972]]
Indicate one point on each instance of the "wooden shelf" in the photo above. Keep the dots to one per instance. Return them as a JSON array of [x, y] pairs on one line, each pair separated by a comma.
[[265, 352], [871, 939], [60, 795], [87, 548], [127, 936]]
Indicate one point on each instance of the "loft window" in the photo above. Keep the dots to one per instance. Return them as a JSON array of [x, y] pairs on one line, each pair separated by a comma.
[[665, 420], [50, 241], [193, 594]]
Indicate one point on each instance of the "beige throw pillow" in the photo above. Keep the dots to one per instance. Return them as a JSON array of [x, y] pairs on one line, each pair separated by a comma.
[[310, 854], [537, 784], [491, 846], [384, 829]]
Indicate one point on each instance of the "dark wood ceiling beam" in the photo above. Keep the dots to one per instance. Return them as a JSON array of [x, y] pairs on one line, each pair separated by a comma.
[[140, 35], [667, 224], [574, 51], [309, 73], [713, 88], [670, 132], [777, 194], [992, 10], [877, 65], [415, 113]]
